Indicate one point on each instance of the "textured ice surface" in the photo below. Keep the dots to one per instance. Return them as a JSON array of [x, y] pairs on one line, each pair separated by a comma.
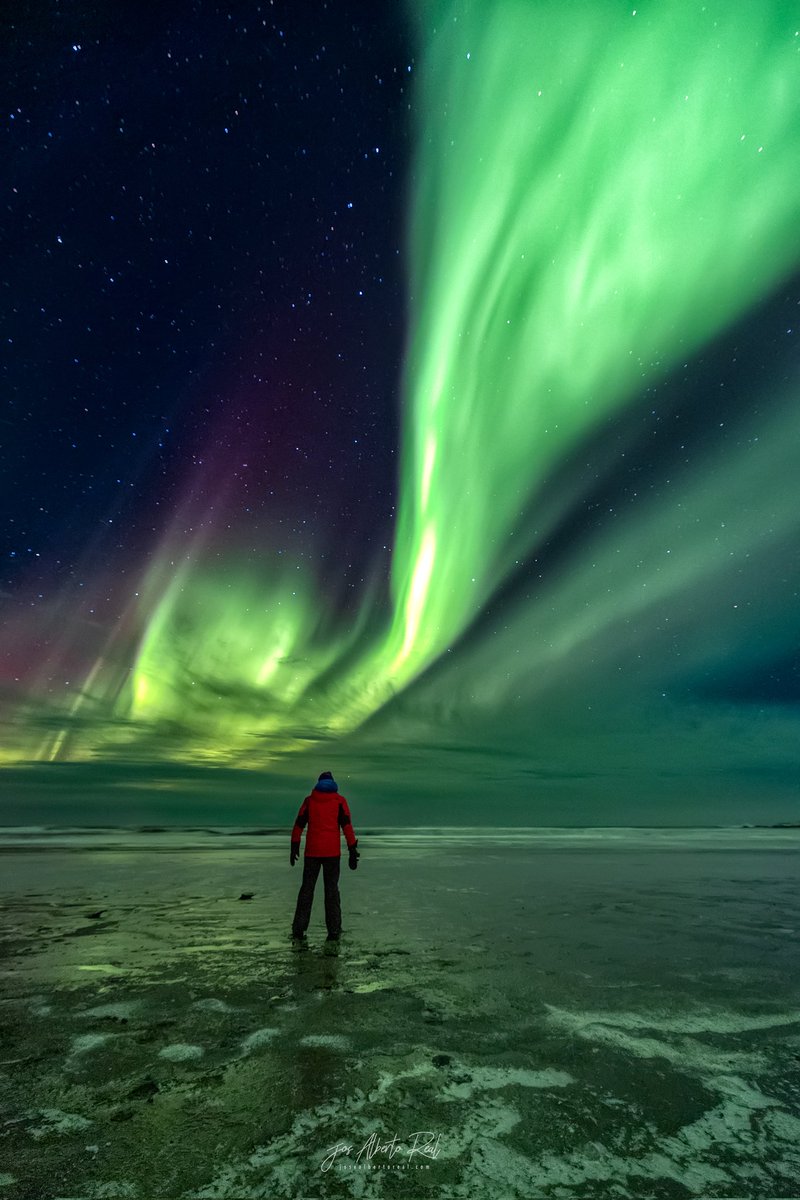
[[122, 1010], [615, 1020]]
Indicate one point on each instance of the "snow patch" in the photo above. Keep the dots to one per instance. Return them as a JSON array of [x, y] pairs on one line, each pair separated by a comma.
[[181, 1052], [53, 1120], [212, 1004], [704, 1020], [490, 1078], [258, 1038], [87, 1041], [328, 1041], [683, 1052]]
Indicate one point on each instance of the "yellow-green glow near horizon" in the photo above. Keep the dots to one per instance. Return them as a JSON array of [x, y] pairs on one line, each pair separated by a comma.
[[596, 192], [226, 656]]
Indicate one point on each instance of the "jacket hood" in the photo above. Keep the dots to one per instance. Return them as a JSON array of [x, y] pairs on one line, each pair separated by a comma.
[[326, 785]]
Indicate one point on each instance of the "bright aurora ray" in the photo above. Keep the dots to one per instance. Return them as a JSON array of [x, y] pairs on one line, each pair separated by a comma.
[[596, 193]]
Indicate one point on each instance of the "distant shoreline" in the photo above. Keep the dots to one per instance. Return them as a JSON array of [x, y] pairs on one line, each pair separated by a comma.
[[381, 830], [419, 839]]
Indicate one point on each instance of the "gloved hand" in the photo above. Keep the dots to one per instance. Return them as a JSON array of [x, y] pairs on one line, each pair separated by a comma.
[[354, 856], [293, 853]]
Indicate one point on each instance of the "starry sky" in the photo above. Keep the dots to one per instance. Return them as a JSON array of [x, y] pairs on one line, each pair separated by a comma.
[[403, 390]]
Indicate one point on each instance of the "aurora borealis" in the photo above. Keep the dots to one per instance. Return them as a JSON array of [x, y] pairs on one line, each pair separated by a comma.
[[526, 519]]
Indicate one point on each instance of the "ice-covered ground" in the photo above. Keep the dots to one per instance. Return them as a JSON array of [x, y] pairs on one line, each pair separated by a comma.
[[596, 1016]]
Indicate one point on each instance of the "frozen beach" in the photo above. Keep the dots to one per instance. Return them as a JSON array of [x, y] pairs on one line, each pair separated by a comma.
[[579, 1014]]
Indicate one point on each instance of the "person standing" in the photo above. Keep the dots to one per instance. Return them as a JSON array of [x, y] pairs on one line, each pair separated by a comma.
[[324, 815]]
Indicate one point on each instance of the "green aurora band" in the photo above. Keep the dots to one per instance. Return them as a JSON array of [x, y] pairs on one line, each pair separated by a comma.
[[596, 192]]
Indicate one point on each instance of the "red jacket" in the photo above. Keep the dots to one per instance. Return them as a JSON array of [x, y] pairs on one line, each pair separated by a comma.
[[325, 816]]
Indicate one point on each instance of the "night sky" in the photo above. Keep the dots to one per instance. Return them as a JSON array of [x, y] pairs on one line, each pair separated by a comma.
[[408, 391]]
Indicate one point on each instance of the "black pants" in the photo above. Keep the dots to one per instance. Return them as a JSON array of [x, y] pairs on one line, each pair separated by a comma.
[[305, 898]]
